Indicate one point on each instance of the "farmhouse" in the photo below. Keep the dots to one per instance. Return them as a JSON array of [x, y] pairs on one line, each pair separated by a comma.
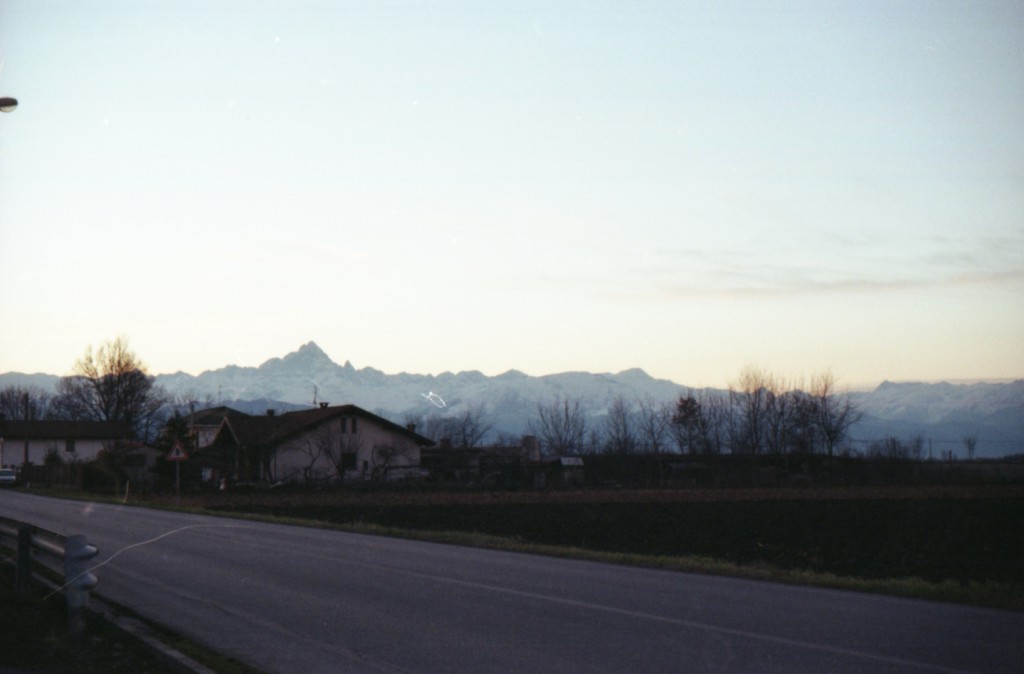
[[29, 442], [323, 444]]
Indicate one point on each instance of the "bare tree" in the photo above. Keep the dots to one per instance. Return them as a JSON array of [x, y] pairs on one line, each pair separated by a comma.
[[803, 431], [388, 456], [717, 412], [343, 453], [111, 385], [892, 448], [473, 426], [778, 412], [434, 427], [189, 401], [749, 398], [24, 403], [339, 450], [467, 429], [620, 430], [72, 400], [652, 421], [560, 426], [971, 444], [315, 445], [836, 413], [789, 417], [506, 439]]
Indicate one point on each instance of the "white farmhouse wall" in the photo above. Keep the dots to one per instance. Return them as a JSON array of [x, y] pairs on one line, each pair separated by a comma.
[[305, 457], [13, 451]]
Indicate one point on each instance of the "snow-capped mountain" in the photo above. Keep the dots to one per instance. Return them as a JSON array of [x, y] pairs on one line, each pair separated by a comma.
[[508, 400], [943, 414]]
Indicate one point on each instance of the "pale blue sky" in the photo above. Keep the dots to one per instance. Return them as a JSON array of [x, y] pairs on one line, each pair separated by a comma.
[[689, 188]]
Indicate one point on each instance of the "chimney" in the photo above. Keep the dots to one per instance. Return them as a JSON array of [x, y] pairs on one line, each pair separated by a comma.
[[270, 413], [446, 443], [323, 406], [411, 428]]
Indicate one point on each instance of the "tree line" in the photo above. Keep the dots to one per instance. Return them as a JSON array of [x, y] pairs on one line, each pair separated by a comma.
[[760, 413]]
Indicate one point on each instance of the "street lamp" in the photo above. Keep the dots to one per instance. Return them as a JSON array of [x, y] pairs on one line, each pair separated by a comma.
[[8, 104]]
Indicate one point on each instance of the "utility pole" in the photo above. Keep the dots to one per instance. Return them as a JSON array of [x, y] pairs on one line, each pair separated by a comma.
[[8, 104], [28, 432]]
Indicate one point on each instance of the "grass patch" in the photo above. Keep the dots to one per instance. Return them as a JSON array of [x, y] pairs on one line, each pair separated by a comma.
[[222, 664]]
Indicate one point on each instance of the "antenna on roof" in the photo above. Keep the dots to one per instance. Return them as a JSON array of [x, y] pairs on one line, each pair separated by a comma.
[[315, 391]]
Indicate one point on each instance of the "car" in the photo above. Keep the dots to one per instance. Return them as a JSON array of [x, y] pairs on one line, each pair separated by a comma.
[[7, 477]]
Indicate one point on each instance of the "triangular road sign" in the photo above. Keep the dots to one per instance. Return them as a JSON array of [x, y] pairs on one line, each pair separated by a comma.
[[177, 453]]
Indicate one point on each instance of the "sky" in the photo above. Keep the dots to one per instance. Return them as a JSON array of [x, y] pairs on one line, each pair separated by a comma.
[[687, 188]]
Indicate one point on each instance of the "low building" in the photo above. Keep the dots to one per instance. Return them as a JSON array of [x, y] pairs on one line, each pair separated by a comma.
[[30, 442], [563, 471], [138, 460]]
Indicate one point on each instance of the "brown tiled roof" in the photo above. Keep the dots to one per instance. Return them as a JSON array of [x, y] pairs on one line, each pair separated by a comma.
[[62, 430], [251, 431], [213, 416]]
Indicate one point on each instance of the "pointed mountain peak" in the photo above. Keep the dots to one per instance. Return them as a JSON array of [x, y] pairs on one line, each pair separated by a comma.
[[308, 350], [634, 373], [306, 357]]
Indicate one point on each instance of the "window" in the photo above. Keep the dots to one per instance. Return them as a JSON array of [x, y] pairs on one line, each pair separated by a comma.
[[353, 424], [348, 460], [69, 446], [344, 424]]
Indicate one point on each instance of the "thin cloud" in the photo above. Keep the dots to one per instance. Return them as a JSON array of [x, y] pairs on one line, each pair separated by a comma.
[[727, 276], [869, 267], [840, 287]]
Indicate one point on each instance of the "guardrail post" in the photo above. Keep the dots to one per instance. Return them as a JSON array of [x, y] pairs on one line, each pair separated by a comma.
[[23, 567], [78, 580]]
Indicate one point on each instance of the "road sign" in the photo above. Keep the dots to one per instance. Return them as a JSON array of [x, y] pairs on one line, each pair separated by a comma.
[[177, 453]]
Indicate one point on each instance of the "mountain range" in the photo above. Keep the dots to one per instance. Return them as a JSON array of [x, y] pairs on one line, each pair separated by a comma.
[[941, 413]]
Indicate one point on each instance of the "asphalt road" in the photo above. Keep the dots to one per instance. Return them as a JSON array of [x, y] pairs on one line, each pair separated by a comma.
[[292, 599]]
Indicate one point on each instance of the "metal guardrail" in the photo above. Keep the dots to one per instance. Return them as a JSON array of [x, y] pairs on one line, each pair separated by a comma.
[[71, 557], [67, 556]]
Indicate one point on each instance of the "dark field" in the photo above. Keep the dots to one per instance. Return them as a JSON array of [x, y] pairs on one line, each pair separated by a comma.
[[933, 533]]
